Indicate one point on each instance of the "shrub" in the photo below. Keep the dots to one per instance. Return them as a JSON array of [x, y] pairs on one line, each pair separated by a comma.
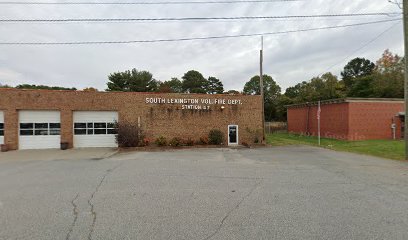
[[175, 142], [202, 141], [245, 144], [257, 134], [216, 137], [161, 141], [129, 135], [146, 142], [256, 140], [189, 142]]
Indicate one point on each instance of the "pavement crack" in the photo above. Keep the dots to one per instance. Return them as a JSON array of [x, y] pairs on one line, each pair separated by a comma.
[[75, 214], [217, 230], [92, 205]]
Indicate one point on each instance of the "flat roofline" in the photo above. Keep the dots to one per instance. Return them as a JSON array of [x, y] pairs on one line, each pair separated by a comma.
[[345, 100], [120, 92]]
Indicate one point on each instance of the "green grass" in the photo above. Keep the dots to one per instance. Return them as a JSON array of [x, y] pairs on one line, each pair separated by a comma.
[[380, 148]]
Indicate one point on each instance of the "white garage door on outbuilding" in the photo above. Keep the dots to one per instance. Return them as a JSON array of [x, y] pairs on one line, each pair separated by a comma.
[[95, 129], [1, 127], [39, 129]]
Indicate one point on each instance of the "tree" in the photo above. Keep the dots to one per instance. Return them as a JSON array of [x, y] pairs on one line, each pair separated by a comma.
[[331, 88], [324, 87], [293, 92], [389, 76], [271, 89], [172, 86], [214, 86], [389, 63], [363, 87], [388, 86], [232, 92], [194, 82], [386, 81], [33, 86], [271, 93], [90, 89], [5, 86], [281, 109], [358, 67], [132, 81]]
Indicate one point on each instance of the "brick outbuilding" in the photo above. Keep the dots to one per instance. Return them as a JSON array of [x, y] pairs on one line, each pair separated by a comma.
[[349, 119], [43, 119]]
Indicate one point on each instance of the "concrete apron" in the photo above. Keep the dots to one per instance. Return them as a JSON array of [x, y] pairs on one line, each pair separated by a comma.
[[55, 154]]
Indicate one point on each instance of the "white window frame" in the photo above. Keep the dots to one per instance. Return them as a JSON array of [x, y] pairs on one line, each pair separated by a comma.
[[33, 129], [229, 142], [107, 128]]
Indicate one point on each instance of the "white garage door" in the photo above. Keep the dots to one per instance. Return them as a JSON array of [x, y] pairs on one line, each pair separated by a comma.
[[94, 129], [1, 127], [39, 129]]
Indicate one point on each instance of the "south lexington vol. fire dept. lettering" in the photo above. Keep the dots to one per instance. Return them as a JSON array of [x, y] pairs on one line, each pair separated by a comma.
[[194, 103]]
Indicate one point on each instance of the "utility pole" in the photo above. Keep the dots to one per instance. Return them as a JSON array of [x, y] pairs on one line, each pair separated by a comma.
[[262, 90], [405, 12]]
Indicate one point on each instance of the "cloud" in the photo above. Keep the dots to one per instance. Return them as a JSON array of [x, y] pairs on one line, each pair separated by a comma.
[[289, 58]]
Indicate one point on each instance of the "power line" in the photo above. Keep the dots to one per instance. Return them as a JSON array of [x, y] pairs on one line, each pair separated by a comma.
[[146, 3], [363, 46], [196, 38], [202, 18]]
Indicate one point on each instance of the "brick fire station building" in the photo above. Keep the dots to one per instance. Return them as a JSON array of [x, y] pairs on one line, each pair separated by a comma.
[[40, 119], [350, 118]]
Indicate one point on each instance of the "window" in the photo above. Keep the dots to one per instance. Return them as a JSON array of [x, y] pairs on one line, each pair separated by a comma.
[[40, 129], [1, 129], [41, 125], [26, 125], [112, 131], [100, 131], [97, 128], [26, 129], [80, 125], [80, 128], [100, 125], [100, 128], [55, 129], [55, 125], [111, 128], [79, 131], [26, 132]]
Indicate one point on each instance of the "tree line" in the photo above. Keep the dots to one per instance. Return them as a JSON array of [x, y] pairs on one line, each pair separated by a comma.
[[143, 81], [33, 86], [360, 78], [193, 82]]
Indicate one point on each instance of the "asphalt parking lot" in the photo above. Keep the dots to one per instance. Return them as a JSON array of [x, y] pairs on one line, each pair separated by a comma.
[[267, 193]]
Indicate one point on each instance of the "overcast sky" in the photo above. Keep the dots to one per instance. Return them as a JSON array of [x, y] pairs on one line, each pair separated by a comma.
[[289, 58]]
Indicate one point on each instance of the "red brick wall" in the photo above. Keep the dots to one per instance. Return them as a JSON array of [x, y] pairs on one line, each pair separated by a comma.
[[297, 120], [167, 120], [372, 120], [354, 120], [334, 120]]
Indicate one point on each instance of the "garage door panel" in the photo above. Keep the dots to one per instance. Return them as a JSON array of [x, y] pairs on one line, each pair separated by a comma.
[[39, 116], [94, 129], [39, 142], [1, 127], [95, 116], [39, 129], [94, 141]]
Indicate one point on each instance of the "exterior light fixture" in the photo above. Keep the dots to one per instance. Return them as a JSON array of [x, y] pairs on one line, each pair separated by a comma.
[[222, 107]]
